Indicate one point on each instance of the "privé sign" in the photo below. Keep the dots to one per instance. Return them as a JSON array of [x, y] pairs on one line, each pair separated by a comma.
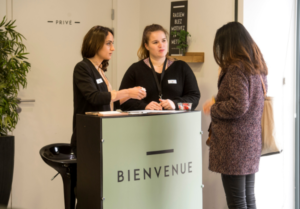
[[63, 22]]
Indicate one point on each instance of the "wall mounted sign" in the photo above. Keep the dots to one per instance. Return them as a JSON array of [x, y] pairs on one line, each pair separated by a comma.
[[178, 22], [63, 22]]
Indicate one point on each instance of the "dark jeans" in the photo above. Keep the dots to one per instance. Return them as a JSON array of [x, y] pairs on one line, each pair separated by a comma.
[[239, 190]]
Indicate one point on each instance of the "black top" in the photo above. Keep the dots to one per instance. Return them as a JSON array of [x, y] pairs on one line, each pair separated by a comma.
[[179, 85], [158, 76], [89, 91]]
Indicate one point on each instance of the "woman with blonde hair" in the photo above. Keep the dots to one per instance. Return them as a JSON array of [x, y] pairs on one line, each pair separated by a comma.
[[167, 82], [235, 145]]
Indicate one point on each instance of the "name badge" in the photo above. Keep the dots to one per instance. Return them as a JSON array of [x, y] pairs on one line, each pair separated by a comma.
[[99, 81], [172, 81]]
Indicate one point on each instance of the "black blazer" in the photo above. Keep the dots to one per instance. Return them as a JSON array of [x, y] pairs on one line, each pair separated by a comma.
[[89, 91]]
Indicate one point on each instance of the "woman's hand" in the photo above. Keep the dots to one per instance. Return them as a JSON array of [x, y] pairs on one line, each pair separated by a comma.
[[207, 105], [137, 93], [153, 106], [167, 104]]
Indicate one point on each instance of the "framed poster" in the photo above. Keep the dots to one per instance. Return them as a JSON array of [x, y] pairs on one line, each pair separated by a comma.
[[178, 22]]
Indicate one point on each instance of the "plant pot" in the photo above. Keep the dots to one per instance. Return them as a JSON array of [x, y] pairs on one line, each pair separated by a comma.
[[7, 153], [182, 52]]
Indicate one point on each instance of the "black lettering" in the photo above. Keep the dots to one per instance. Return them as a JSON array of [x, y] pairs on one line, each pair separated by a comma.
[[166, 175], [158, 171], [128, 175], [148, 174], [70, 22], [190, 166], [122, 177], [56, 21], [136, 174], [181, 168], [66, 21], [60, 22], [173, 169]]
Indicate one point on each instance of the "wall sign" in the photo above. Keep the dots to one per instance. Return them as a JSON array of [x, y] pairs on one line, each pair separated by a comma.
[[178, 22], [63, 22]]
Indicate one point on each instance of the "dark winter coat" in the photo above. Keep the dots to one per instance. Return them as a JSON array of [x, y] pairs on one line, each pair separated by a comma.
[[236, 123]]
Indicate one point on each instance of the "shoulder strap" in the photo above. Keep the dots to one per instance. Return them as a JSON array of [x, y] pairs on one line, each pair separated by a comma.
[[263, 85]]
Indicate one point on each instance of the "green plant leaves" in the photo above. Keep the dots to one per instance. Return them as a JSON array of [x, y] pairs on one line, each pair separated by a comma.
[[13, 71], [182, 38]]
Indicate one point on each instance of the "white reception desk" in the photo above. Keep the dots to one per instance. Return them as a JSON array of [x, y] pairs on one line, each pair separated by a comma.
[[140, 161]]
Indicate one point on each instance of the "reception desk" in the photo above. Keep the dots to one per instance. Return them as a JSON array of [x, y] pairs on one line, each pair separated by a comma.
[[151, 161]]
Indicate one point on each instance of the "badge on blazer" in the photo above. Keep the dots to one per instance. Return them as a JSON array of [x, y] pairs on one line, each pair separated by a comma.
[[99, 81], [172, 81]]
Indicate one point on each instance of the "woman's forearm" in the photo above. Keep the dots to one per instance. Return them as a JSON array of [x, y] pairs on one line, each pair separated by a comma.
[[122, 95], [131, 93], [122, 101]]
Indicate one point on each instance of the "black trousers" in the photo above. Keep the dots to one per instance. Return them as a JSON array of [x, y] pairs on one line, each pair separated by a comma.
[[239, 190]]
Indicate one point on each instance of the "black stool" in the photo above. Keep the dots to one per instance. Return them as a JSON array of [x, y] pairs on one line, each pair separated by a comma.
[[61, 158]]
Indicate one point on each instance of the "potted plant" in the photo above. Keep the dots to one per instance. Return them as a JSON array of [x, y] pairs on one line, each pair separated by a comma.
[[182, 40], [13, 71]]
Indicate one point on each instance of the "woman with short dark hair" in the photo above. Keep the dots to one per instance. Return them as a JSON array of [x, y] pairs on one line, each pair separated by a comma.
[[91, 88], [235, 145], [166, 81]]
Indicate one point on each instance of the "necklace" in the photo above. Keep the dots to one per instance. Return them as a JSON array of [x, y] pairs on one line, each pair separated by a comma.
[[159, 65]]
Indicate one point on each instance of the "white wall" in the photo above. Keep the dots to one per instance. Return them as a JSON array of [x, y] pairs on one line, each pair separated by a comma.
[[2, 9], [127, 36], [272, 25]]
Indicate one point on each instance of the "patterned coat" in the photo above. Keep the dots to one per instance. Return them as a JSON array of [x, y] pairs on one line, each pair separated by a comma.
[[236, 123]]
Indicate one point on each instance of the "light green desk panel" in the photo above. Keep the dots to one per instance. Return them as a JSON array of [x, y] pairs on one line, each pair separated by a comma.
[[128, 139]]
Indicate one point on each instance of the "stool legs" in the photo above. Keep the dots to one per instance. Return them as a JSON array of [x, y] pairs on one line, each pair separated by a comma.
[[61, 157], [69, 181]]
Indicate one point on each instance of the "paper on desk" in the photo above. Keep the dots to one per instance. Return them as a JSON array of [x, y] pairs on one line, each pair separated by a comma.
[[106, 113]]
